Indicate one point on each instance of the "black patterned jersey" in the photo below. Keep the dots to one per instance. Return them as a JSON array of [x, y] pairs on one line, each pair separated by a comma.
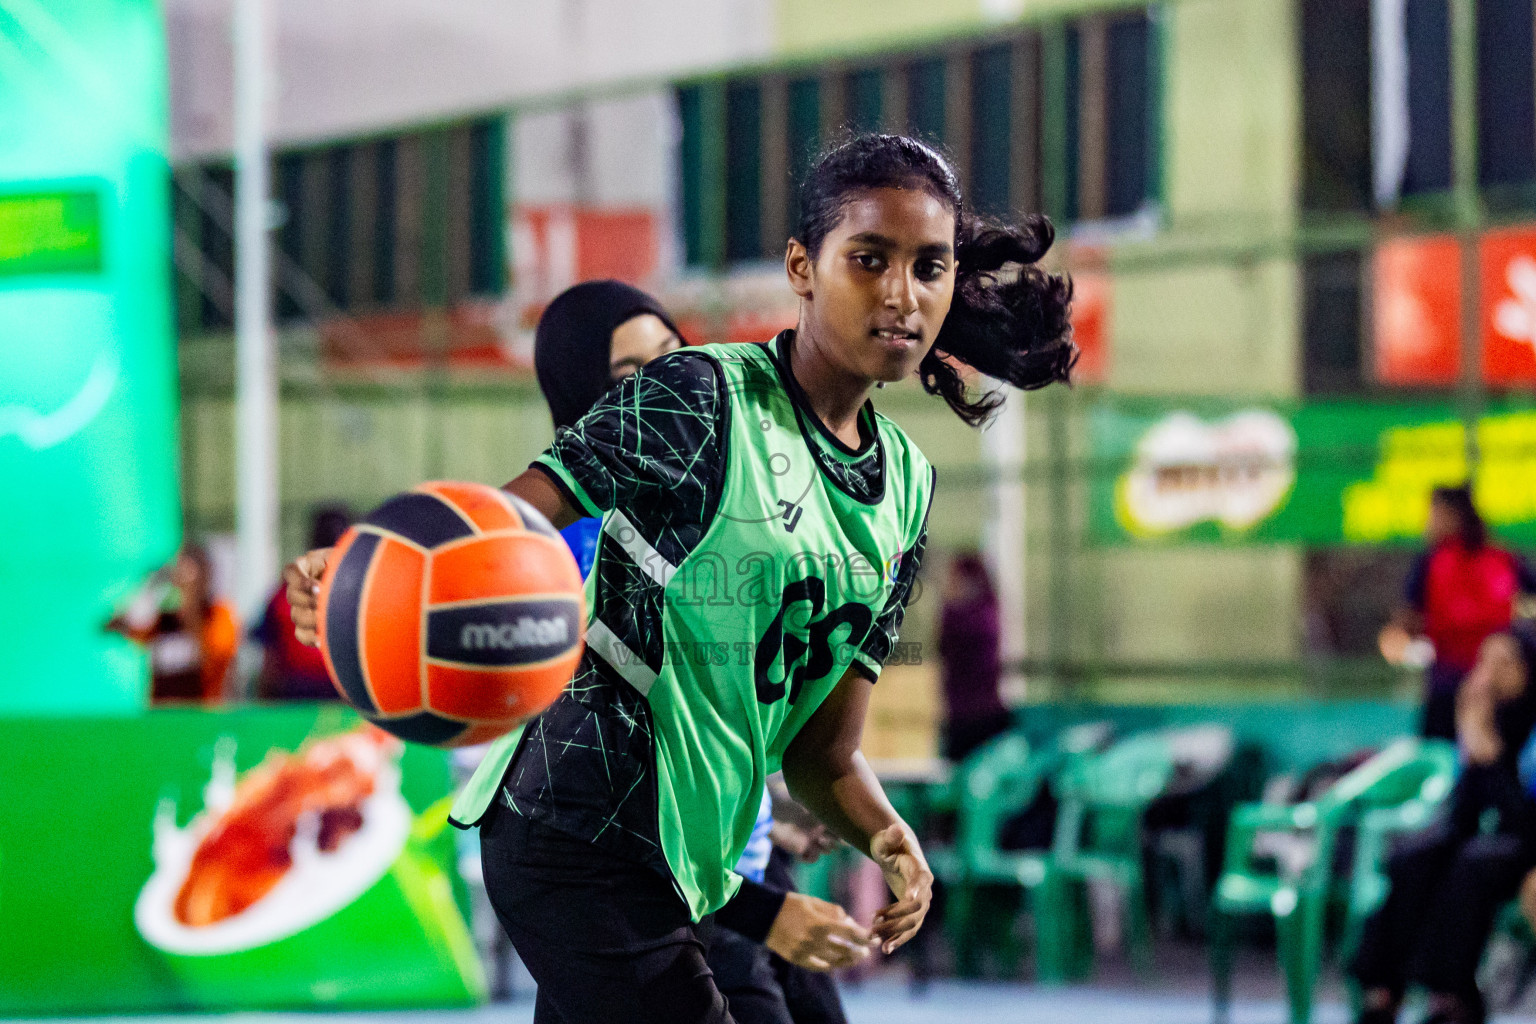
[[653, 453]]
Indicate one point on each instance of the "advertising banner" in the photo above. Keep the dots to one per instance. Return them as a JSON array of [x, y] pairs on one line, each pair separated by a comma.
[[1416, 336], [1321, 474], [193, 860], [87, 356], [1508, 262]]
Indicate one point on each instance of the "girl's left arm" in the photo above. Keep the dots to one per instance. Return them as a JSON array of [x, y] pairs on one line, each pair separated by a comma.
[[827, 772]]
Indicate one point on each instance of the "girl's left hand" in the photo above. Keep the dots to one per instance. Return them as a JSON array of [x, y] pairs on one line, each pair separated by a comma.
[[906, 871]]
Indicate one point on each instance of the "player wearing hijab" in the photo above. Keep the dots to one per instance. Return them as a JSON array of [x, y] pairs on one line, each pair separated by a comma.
[[590, 337], [762, 528]]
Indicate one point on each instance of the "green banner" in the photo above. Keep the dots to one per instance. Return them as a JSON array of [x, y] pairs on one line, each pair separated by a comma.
[[88, 439], [191, 860], [1323, 474]]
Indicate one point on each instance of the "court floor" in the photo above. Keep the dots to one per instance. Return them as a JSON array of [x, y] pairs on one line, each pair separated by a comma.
[[874, 1003]]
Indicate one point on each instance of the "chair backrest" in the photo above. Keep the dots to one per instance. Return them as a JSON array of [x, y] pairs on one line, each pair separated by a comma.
[[1132, 773], [1104, 796], [1407, 769], [997, 781], [1007, 774]]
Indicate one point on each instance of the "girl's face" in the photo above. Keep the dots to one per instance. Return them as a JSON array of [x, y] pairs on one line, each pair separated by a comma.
[[878, 292], [636, 342], [187, 575], [1443, 523]]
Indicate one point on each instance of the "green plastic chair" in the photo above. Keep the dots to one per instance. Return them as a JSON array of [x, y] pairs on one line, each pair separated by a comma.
[[1099, 834], [996, 782], [1298, 895], [999, 779], [1424, 786]]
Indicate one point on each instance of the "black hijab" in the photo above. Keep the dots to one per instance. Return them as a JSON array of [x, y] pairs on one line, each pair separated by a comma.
[[574, 341]]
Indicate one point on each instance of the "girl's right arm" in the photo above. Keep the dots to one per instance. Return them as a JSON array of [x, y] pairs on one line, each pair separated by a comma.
[[650, 439], [303, 574]]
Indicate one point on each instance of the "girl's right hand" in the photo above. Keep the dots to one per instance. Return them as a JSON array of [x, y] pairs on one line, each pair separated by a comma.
[[303, 578], [910, 879]]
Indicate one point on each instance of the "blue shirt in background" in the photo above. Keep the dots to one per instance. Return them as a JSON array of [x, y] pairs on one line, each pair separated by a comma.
[[581, 537], [754, 859]]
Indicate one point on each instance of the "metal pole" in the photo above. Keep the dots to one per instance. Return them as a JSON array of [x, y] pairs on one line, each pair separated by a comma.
[[1469, 211], [255, 379], [1005, 536]]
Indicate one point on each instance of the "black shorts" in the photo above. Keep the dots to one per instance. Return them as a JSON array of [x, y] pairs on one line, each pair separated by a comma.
[[607, 940]]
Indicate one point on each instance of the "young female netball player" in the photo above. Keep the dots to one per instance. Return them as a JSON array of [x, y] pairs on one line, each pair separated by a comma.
[[762, 526], [590, 337]]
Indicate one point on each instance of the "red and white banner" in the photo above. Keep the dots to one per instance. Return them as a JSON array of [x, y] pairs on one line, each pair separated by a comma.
[[1508, 268], [1417, 330]]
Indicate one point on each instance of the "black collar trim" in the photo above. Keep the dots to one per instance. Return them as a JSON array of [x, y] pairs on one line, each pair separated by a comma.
[[869, 431]]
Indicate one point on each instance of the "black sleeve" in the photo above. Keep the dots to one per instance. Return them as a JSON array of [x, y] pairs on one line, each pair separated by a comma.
[[658, 433], [751, 912], [1418, 576], [881, 639]]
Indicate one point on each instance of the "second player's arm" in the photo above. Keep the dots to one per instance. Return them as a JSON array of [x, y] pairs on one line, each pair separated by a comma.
[[827, 772]]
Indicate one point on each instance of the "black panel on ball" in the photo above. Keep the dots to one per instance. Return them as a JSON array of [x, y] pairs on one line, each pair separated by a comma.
[[504, 634], [423, 728], [342, 620], [420, 518]]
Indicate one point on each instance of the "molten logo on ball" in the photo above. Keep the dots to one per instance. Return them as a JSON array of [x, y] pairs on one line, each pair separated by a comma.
[[503, 633], [526, 633]]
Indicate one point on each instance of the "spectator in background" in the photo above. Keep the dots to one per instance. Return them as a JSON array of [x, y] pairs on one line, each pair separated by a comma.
[[969, 635], [191, 635], [1459, 592], [291, 670], [1451, 880]]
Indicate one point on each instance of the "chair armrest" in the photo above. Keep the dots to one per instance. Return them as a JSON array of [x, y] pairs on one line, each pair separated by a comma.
[[1408, 816], [1275, 817]]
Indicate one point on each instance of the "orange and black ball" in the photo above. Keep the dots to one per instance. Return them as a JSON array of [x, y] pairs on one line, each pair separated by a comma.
[[451, 614]]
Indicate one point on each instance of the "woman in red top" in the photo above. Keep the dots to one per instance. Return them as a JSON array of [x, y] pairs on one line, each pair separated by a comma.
[[1459, 592]]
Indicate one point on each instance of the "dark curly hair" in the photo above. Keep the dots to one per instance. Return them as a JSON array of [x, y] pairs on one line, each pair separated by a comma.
[[1009, 318]]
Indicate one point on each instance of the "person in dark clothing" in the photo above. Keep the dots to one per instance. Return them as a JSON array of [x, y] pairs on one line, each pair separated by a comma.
[[1449, 881], [969, 634], [591, 336], [1458, 593]]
